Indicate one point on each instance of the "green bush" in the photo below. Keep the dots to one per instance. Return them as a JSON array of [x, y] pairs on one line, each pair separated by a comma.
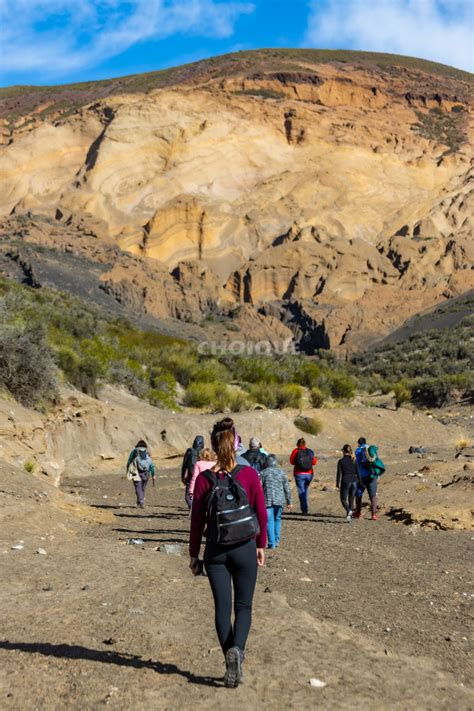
[[211, 370], [317, 397], [238, 401], [342, 386], [163, 393], [310, 425], [308, 374], [433, 392], [29, 466], [27, 368], [205, 395], [402, 394], [276, 396]]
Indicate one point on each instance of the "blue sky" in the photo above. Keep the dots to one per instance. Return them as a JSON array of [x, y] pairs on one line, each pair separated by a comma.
[[58, 41]]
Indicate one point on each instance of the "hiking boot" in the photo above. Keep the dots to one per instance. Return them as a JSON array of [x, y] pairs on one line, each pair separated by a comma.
[[375, 517], [356, 514], [349, 517], [233, 672]]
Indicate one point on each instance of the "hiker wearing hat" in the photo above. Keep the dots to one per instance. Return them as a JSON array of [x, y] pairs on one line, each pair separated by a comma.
[[370, 469], [277, 492], [140, 468], [254, 456]]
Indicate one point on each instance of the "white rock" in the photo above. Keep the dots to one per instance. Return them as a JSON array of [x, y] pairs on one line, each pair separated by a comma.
[[41, 551], [17, 547], [317, 683]]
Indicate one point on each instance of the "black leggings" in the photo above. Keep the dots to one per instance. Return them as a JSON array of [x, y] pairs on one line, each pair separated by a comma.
[[238, 565], [348, 492]]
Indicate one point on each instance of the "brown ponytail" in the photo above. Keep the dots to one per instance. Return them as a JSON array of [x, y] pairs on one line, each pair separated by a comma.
[[223, 443], [347, 449]]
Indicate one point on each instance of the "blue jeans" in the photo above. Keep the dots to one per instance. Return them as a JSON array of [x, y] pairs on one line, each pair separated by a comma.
[[302, 482], [274, 525]]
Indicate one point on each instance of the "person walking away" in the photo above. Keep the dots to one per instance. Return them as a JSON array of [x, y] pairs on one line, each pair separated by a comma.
[[347, 480], [140, 468], [370, 470], [206, 460], [254, 456], [360, 450], [303, 460], [277, 493], [229, 510], [360, 455], [190, 458]]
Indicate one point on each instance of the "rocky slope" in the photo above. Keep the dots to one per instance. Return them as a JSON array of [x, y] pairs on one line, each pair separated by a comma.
[[301, 196]]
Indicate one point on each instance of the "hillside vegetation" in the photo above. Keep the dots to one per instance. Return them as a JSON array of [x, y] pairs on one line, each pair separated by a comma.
[[62, 100], [47, 337]]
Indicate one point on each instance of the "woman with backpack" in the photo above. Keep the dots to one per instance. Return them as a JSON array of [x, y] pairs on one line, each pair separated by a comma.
[[347, 478], [229, 510], [139, 468], [371, 468], [303, 460]]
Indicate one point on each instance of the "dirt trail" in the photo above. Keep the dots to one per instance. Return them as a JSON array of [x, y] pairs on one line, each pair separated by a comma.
[[98, 622]]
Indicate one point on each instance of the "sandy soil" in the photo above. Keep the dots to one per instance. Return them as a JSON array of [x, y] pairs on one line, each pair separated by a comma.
[[377, 610]]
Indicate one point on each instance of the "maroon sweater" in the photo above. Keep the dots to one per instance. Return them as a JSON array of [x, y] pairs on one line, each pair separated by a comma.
[[249, 479]]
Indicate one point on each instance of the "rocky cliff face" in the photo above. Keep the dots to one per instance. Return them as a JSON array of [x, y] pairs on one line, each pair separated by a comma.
[[331, 198]]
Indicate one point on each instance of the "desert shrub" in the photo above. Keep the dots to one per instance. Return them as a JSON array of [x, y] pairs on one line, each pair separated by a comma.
[[402, 394], [433, 392], [180, 362], [205, 395], [308, 374], [277, 396], [122, 374], [29, 466], [210, 370], [237, 401], [310, 425], [27, 368], [342, 387], [317, 397], [163, 392]]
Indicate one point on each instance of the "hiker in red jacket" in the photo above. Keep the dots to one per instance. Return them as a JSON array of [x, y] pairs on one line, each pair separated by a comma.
[[303, 460]]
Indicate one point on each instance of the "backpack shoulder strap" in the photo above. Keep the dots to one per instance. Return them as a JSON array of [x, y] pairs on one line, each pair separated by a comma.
[[210, 476], [235, 470]]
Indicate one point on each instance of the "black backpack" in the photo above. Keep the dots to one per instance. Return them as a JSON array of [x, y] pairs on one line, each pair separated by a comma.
[[304, 459], [230, 518]]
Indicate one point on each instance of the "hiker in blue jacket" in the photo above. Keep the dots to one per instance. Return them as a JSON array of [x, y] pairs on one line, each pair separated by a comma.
[[140, 468], [370, 469]]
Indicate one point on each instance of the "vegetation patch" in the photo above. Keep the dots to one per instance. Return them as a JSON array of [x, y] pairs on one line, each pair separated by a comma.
[[310, 425], [442, 127]]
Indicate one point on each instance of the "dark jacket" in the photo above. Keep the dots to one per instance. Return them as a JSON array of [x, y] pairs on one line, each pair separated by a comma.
[[256, 459], [347, 471], [190, 458]]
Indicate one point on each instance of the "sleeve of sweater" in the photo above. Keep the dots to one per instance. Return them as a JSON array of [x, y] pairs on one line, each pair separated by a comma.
[[257, 501], [184, 465], [293, 456], [339, 474], [198, 515], [286, 486], [152, 469], [192, 483], [315, 460], [131, 457]]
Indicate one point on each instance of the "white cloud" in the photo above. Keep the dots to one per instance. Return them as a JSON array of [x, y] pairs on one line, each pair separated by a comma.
[[439, 30], [91, 31]]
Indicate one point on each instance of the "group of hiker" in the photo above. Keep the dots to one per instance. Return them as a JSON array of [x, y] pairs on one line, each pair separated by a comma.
[[236, 498]]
